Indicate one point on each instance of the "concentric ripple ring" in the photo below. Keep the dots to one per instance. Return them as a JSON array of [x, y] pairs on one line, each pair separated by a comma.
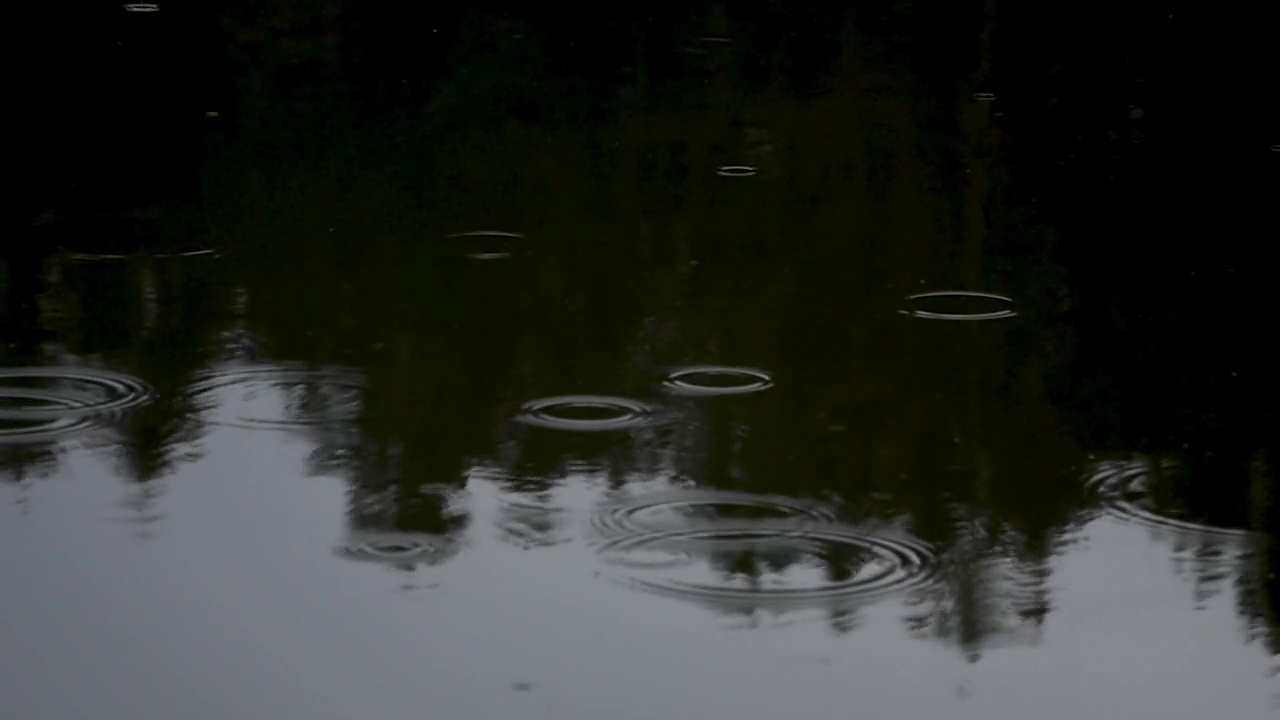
[[121, 393], [398, 548], [679, 510], [886, 566], [1004, 306], [31, 431], [736, 171], [484, 245], [709, 380], [346, 381], [1116, 483], [613, 413]]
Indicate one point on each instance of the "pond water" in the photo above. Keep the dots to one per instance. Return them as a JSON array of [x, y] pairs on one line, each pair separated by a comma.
[[818, 362]]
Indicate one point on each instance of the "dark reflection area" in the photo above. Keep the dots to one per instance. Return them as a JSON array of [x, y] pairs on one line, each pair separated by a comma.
[[159, 319], [1169, 292], [1216, 515], [112, 108], [1258, 585], [22, 281]]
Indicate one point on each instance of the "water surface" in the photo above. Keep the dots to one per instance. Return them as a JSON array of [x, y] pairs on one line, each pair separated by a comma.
[[887, 362]]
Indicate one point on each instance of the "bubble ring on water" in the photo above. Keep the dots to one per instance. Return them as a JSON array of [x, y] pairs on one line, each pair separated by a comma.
[[630, 517], [1116, 482], [903, 564], [753, 380], [273, 376], [984, 96], [398, 549], [629, 413], [142, 7], [122, 392], [1006, 312], [737, 171]]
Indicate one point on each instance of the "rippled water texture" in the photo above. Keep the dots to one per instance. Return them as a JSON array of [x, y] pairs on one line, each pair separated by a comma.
[[743, 551], [483, 245], [682, 509], [587, 413], [104, 257], [279, 398], [770, 564], [765, 360], [398, 549], [1125, 490], [38, 403], [959, 305], [718, 380]]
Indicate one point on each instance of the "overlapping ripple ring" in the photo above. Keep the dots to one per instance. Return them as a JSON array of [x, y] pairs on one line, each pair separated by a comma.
[[622, 413], [1005, 303], [736, 171], [891, 565], [37, 430], [646, 514], [1116, 482], [745, 380], [275, 376], [33, 414]]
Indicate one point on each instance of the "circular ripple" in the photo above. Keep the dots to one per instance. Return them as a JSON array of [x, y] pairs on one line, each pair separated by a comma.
[[736, 171], [669, 511], [718, 380], [142, 7], [779, 567], [586, 413], [281, 398], [398, 549], [959, 305], [984, 96], [1122, 488], [37, 403], [105, 257], [483, 245]]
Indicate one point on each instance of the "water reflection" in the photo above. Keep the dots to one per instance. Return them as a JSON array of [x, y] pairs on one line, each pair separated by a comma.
[[716, 201]]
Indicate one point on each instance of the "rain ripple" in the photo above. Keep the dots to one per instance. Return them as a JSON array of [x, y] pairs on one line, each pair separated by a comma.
[[740, 551], [959, 305], [405, 550], [1124, 489], [771, 565], [281, 397], [718, 380], [40, 403], [587, 413], [677, 510]]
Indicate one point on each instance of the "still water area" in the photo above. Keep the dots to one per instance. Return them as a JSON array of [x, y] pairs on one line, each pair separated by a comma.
[[870, 360]]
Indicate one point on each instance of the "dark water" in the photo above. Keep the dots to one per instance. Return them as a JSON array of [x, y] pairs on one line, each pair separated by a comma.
[[901, 360]]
